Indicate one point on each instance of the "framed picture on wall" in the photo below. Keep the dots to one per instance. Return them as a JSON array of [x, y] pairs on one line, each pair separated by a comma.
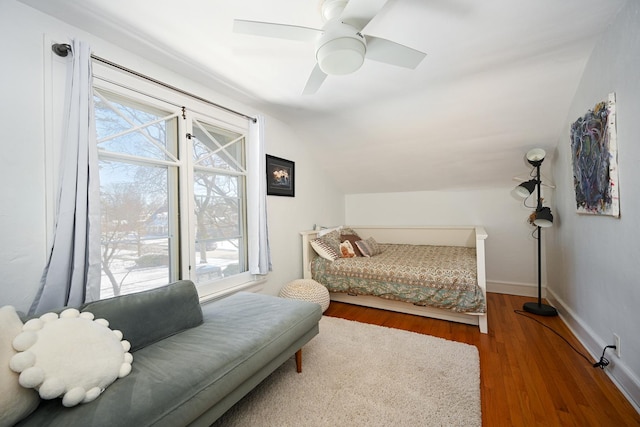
[[280, 177]]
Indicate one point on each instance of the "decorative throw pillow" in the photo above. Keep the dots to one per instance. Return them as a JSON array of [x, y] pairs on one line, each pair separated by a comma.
[[369, 247], [333, 239], [346, 250], [324, 249], [348, 231], [352, 238], [72, 355], [16, 402], [328, 246], [322, 231]]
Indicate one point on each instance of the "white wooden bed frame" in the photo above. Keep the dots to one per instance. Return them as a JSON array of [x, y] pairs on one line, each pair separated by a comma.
[[468, 236]]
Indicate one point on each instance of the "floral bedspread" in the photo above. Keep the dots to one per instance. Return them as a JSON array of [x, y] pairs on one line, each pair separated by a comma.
[[435, 276]]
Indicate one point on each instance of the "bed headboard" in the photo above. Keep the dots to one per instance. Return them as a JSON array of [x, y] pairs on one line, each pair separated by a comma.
[[468, 236]]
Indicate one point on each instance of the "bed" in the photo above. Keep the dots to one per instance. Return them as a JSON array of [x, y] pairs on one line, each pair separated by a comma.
[[436, 272]]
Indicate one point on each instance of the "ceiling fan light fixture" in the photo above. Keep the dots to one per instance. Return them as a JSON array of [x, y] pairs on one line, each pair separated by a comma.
[[341, 56], [332, 8]]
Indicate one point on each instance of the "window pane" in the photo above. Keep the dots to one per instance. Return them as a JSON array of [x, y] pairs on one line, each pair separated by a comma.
[[217, 148], [219, 219], [126, 127], [135, 227], [144, 179]]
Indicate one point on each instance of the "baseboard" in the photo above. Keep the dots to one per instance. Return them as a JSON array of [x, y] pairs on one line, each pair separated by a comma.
[[618, 371], [510, 288]]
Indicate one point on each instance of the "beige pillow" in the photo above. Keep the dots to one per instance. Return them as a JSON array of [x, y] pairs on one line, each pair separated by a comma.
[[16, 401], [328, 246], [369, 247], [322, 231], [348, 231], [324, 249]]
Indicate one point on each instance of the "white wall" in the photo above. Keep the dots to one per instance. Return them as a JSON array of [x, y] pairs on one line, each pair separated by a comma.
[[592, 260], [511, 250], [23, 187], [316, 202]]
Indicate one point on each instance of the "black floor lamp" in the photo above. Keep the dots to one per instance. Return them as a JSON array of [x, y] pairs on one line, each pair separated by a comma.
[[541, 218]]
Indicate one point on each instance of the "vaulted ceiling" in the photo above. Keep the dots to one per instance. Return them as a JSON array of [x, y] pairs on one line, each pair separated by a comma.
[[497, 80]]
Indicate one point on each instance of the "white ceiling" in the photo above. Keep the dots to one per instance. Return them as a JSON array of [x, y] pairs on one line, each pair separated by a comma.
[[498, 79]]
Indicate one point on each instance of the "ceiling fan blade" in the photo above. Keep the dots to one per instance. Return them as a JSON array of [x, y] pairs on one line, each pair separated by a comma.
[[383, 50], [280, 31], [358, 13], [316, 79]]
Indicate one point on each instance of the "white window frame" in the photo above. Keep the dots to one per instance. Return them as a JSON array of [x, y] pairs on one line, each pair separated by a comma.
[[135, 88]]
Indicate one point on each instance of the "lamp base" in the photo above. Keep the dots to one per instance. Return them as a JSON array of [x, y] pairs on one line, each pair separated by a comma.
[[539, 309]]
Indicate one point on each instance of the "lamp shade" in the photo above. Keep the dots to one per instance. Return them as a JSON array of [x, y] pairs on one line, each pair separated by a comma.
[[536, 156], [544, 218], [525, 189]]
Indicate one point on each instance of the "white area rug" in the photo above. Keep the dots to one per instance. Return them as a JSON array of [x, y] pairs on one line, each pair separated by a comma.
[[355, 374]]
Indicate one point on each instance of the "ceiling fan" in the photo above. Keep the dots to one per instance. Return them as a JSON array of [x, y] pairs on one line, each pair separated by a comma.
[[342, 43]]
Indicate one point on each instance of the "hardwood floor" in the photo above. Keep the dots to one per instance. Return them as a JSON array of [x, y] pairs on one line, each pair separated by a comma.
[[529, 375]]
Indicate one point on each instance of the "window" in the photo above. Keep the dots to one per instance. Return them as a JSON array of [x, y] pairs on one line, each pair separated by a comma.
[[173, 193], [218, 187]]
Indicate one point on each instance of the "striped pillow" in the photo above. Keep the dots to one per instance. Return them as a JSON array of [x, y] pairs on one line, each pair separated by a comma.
[[369, 247], [326, 247]]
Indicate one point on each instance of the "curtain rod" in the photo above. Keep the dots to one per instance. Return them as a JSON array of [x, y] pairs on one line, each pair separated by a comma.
[[63, 49]]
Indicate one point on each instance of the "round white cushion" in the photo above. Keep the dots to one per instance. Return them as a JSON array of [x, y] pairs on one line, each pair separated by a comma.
[[70, 355], [306, 290], [16, 402]]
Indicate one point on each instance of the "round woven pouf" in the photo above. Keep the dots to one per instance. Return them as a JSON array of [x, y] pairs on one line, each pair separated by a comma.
[[306, 290]]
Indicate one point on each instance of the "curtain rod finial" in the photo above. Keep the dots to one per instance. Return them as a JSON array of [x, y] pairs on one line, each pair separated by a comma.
[[61, 49]]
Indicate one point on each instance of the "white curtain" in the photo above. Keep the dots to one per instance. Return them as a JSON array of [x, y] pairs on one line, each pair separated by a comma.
[[72, 273], [258, 239]]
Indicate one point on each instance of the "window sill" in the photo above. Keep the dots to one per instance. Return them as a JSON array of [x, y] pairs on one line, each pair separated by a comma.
[[255, 285]]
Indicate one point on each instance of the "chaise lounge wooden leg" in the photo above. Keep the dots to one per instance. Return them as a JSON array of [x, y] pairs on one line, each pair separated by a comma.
[[299, 360]]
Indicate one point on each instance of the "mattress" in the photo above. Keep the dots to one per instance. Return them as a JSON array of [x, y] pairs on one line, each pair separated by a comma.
[[436, 276]]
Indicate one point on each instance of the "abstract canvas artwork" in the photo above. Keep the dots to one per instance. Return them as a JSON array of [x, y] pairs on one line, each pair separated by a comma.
[[595, 160]]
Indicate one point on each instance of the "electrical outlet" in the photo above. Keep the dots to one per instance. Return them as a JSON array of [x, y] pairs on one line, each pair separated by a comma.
[[616, 342]]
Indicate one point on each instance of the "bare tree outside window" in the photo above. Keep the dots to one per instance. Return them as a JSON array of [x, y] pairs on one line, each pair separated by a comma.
[[134, 230], [134, 196], [141, 182], [219, 212]]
